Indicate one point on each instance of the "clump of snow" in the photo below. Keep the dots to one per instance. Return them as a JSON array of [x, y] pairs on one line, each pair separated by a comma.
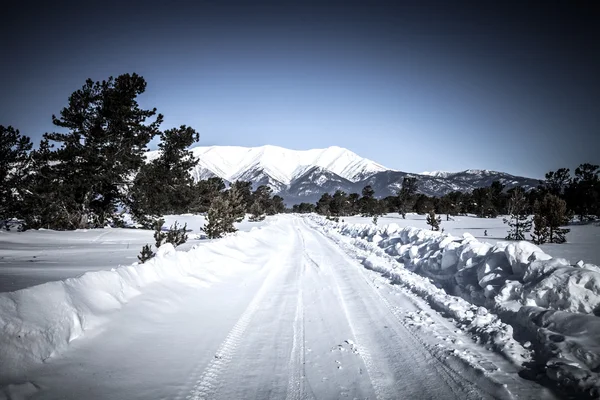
[[505, 278]]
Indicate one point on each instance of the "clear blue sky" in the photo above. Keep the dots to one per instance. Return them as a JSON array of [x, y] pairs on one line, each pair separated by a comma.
[[414, 87]]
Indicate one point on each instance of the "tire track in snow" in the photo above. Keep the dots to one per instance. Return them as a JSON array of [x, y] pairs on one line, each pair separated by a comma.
[[208, 384], [376, 377], [296, 386], [452, 378]]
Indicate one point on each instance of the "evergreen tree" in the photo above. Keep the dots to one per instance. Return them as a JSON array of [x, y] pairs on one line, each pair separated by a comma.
[[257, 212], [245, 190], [104, 146], [159, 236], [276, 205], [406, 195], [262, 195], [557, 181], [519, 220], [146, 254], [219, 219], [205, 192], [339, 205], [423, 204], [550, 215], [540, 229], [14, 160], [324, 204], [498, 199], [584, 193], [303, 208], [445, 206], [353, 203], [176, 235], [45, 203], [369, 206], [164, 185], [433, 221], [236, 202], [484, 204]]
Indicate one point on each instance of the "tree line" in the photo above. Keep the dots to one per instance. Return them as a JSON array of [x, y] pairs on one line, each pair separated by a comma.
[[553, 203]]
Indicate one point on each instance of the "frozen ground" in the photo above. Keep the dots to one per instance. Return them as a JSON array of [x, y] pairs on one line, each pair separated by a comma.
[[34, 257], [287, 311]]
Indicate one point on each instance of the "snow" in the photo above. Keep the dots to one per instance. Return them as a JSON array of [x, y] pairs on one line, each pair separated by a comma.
[[38, 256], [552, 299], [283, 165], [582, 241], [286, 310]]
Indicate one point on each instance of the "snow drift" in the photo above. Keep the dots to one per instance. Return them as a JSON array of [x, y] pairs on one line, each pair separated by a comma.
[[38, 322], [554, 303]]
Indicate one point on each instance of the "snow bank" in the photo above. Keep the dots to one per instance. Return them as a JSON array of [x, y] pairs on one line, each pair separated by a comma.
[[38, 322], [511, 279]]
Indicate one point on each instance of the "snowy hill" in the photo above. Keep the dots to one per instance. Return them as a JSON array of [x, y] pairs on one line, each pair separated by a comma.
[[304, 175]]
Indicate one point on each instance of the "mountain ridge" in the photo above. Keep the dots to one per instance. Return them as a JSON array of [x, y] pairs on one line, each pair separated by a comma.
[[304, 175]]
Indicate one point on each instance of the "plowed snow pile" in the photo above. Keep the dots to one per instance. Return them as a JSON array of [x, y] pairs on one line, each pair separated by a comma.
[[40, 321], [548, 301]]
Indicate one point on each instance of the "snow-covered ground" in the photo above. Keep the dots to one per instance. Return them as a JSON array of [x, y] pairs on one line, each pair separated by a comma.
[[284, 311], [550, 303], [299, 308], [38, 256], [583, 242]]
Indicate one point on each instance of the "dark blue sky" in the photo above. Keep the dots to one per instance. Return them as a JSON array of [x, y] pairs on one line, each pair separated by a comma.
[[413, 85]]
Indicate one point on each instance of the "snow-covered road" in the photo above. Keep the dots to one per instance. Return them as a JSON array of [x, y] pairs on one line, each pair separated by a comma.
[[298, 318]]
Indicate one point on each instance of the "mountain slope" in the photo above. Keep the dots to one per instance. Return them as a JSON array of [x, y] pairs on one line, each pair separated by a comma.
[[304, 175], [283, 165]]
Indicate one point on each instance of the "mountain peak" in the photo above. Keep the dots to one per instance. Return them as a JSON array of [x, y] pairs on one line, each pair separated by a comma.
[[284, 165]]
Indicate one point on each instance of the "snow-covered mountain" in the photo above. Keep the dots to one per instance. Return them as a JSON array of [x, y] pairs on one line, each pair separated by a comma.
[[304, 175], [282, 165]]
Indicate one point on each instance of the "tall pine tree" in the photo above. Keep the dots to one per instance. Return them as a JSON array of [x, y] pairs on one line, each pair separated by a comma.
[[14, 160], [104, 145], [164, 185]]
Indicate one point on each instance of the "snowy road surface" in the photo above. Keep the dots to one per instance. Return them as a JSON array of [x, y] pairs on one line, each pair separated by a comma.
[[299, 318]]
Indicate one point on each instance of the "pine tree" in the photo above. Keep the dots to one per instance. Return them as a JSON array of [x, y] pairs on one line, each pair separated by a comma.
[[540, 229], [324, 204], [236, 202], [104, 146], [219, 219], [164, 185], [519, 221], [245, 190], [339, 204], [146, 254], [14, 160], [433, 221], [205, 192], [276, 205], [262, 196], [406, 195], [160, 237], [176, 235], [257, 213], [584, 192], [369, 206], [550, 215]]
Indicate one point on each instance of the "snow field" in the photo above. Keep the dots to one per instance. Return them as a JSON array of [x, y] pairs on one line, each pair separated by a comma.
[[39, 321], [38, 256], [550, 300]]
